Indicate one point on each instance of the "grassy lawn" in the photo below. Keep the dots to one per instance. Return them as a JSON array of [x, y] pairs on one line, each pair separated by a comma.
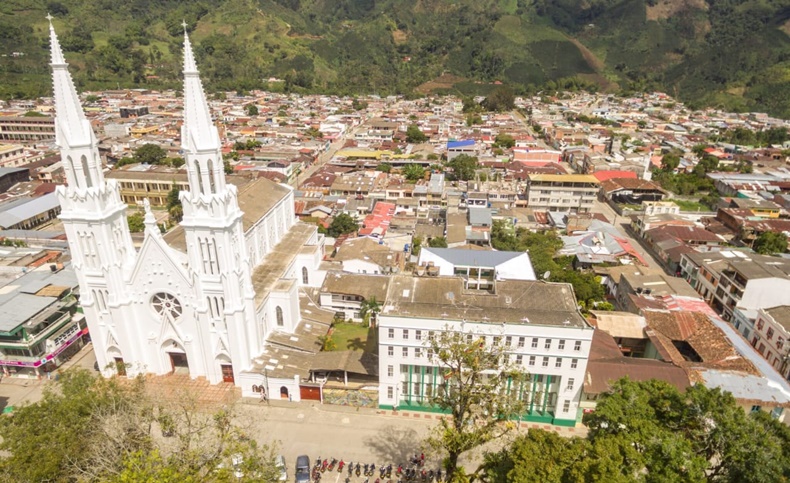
[[352, 336], [690, 205]]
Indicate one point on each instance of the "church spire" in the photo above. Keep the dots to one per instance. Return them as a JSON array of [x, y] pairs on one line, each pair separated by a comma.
[[199, 137], [73, 132], [70, 119]]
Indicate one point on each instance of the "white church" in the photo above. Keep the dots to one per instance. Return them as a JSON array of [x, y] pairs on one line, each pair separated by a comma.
[[204, 298]]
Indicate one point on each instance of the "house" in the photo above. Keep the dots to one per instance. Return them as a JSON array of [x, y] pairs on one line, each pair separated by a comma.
[[478, 267], [366, 255], [27, 213], [600, 243], [631, 191], [40, 326], [344, 293], [771, 337]]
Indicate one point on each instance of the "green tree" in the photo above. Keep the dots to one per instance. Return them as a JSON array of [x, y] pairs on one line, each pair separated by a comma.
[[227, 167], [251, 109], [174, 207], [149, 154], [342, 224], [358, 105], [327, 342], [414, 135], [505, 141], [413, 172], [770, 242], [369, 309], [463, 167], [670, 161], [501, 99], [136, 222], [416, 245], [438, 242], [100, 430], [479, 393], [384, 167]]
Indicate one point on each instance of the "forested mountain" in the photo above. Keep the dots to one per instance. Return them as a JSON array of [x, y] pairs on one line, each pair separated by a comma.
[[731, 53]]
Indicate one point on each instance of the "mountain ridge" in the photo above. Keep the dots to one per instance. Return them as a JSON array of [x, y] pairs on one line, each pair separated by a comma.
[[733, 54]]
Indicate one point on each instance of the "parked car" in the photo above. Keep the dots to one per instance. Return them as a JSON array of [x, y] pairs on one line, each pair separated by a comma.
[[302, 469], [279, 461]]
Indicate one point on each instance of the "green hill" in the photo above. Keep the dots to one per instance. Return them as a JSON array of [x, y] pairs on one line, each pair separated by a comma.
[[729, 53]]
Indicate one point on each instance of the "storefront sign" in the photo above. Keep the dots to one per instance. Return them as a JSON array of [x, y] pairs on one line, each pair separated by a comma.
[[48, 357]]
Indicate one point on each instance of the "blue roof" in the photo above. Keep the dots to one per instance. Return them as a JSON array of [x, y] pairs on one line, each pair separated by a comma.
[[460, 144]]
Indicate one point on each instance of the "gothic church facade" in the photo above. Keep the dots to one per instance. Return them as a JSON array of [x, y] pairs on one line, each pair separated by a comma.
[[203, 298]]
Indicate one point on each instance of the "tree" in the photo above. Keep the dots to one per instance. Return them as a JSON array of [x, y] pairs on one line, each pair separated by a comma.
[[501, 99], [438, 242], [149, 154], [358, 105], [464, 167], [97, 429], [670, 162], [770, 242], [251, 109], [384, 167], [416, 245], [174, 208], [342, 224], [479, 393], [369, 309], [136, 222], [414, 135], [327, 343], [413, 172], [505, 141]]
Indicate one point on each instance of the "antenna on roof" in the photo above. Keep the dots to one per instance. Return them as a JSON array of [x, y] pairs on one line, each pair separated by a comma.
[[525, 320]]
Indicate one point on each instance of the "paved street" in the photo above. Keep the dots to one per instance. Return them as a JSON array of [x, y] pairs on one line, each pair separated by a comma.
[[325, 157], [622, 223]]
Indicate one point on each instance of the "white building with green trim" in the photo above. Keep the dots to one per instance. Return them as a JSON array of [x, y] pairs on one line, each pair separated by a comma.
[[538, 323]]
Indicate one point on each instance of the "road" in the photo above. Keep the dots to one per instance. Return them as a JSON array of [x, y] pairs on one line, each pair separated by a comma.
[[325, 157], [622, 223]]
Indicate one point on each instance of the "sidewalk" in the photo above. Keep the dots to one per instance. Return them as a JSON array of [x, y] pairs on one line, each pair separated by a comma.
[[580, 430]]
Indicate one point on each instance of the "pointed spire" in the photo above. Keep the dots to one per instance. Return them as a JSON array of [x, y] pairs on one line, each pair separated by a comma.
[[70, 119], [151, 227], [199, 133]]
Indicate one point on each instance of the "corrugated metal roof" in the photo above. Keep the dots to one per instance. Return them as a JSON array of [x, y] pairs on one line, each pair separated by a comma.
[[27, 210], [21, 307]]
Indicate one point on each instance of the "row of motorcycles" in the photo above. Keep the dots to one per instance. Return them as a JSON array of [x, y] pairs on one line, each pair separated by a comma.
[[386, 474]]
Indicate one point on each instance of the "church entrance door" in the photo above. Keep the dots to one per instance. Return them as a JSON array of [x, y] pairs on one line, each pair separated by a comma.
[[227, 373], [178, 362]]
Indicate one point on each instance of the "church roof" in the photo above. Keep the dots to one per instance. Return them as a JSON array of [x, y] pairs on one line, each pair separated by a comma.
[[256, 198]]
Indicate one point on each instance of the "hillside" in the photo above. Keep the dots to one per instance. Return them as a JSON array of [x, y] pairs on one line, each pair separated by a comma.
[[730, 53]]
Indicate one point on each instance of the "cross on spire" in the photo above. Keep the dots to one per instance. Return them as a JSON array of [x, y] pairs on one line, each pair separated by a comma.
[[184, 24], [49, 17]]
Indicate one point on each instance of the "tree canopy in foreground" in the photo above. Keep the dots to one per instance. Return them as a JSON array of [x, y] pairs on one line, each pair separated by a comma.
[[87, 429], [651, 432]]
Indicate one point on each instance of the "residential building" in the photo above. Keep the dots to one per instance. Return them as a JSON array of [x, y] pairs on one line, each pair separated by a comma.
[[11, 176], [457, 148], [366, 255], [569, 192], [27, 213], [12, 155], [344, 293], [771, 337], [27, 129], [538, 323], [40, 327]]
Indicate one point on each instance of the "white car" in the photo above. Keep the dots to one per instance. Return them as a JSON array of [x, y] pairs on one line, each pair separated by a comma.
[[279, 461]]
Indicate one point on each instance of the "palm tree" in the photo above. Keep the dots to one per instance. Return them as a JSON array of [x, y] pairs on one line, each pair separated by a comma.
[[369, 309]]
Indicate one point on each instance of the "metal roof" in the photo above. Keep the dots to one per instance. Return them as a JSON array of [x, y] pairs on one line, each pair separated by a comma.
[[20, 308], [27, 210], [460, 144], [473, 258]]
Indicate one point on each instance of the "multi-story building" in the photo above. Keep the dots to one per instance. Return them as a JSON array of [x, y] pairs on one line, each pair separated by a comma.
[[40, 327], [538, 323], [562, 192], [11, 155], [27, 129], [771, 337]]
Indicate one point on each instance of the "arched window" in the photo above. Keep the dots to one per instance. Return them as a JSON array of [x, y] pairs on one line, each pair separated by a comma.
[[279, 313], [199, 177], [86, 172], [211, 174], [305, 276], [73, 171]]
